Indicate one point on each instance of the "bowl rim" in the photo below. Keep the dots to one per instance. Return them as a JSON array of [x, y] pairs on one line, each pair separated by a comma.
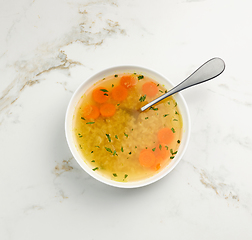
[[90, 81]]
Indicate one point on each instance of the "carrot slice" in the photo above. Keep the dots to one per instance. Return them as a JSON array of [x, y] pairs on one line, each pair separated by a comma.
[[157, 164], [165, 135], [107, 109], [100, 94], [147, 158], [128, 81], [150, 89], [91, 111], [119, 93], [162, 151]]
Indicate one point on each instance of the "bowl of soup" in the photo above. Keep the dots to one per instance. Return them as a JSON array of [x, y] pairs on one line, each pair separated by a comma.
[[116, 143]]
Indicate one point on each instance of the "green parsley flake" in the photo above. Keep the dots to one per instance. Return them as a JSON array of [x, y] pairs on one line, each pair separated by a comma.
[[113, 85], [116, 137], [157, 85], [114, 153], [176, 112], [93, 161], [109, 139], [95, 168], [104, 90], [178, 141], [175, 119], [161, 91], [146, 118], [122, 149], [153, 108], [142, 98], [83, 118], [135, 146], [105, 94], [92, 151], [166, 147], [169, 103], [173, 130], [140, 77], [160, 146], [166, 115], [126, 175], [129, 153], [90, 122], [126, 135], [116, 75], [80, 147], [153, 149], [80, 135], [176, 104], [171, 157], [114, 174], [97, 146], [108, 149]]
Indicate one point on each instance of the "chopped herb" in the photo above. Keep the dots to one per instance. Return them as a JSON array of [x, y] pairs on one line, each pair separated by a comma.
[[90, 122], [176, 112], [146, 148], [173, 130], [129, 153], [166, 147], [92, 151], [108, 149], [176, 104], [157, 85], [83, 118], [135, 73], [175, 119], [116, 75], [126, 175], [80, 147], [171, 157], [117, 104], [122, 149], [132, 129], [169, 103], [97, 146], [178, 141], [80, 135], [135, 146], [93, 161], [114, 153], [103, 79], [153, 149], [166, 115], [105, 94], [146, 118], [104, 90], [95, 168], [160, 146], [153, 108], [126, 135], [114, 174], [161, 91], [166, 91], [140, 77], [108, 137], [116, 137], [113, 85], [142, 98]]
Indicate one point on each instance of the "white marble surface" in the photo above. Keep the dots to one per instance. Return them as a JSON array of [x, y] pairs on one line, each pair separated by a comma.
[[47, 48]]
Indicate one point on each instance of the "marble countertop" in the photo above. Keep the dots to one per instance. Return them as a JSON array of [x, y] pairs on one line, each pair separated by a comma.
[[48, 48]]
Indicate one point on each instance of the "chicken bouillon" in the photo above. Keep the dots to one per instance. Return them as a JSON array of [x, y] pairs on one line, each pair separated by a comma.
[[117, 140]]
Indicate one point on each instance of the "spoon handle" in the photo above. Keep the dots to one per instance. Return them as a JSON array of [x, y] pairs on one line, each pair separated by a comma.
[[209, 70]]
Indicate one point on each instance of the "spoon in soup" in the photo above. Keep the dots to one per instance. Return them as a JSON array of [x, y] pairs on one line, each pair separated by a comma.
[[209, 70]]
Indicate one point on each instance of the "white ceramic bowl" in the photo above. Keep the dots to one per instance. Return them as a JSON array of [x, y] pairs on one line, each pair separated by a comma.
[[124, 69]]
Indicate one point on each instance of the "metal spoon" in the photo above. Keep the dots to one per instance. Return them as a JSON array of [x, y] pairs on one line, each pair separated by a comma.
[[209, 70]]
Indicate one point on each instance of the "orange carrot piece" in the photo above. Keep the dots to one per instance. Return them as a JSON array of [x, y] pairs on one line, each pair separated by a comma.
[[119, 93], [165, 135], [100, 94], [147, 158], [107, 110], [162, 151], [128, 81], [157, 164], [91, 112], [150, 89]]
